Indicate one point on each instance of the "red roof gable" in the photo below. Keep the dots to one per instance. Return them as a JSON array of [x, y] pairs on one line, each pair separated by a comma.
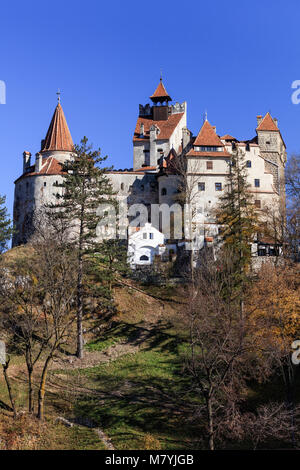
[[207, 136], [267, 124]]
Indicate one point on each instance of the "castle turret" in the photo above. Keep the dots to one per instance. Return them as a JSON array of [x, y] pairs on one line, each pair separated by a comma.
[[158, 129], [37, 185]]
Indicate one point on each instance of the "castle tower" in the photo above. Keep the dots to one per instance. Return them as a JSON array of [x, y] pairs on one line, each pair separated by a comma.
[[37, 185], [159, 128], [273, 151]]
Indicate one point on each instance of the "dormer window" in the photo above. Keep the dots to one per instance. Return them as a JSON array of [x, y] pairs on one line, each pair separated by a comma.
[[206, 148]]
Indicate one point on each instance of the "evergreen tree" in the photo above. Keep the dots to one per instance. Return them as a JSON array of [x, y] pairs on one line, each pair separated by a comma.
[[84, 188], [5, 225], [238, 219]]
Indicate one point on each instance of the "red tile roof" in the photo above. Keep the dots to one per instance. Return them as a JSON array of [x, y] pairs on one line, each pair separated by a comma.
[[146, 168], [50, 166], [227, 137], [166, 127], [58, 136], [267, 124], [207, 136], [160, 92], [194, 153]]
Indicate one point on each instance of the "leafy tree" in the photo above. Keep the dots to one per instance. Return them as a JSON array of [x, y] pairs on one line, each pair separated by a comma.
[[238, 219], [5, 225], [84, 188]]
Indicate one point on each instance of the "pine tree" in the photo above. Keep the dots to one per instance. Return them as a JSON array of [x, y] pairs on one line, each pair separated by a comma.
[[84, 188], [237, 217], [5, 225]]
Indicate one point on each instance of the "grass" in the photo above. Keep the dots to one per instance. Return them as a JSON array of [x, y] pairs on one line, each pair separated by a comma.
[[27, 433], [138, 400]]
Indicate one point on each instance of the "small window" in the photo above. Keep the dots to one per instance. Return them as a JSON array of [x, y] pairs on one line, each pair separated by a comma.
[[144, 236], [209, 165], [45, 184], [247, 147], [262, 250], [142, 187], [144, 258], [248, 164], [151, 236], [257, 183], [163, 192], [218, 186], [257, 203], [201, 186], [122, 186]]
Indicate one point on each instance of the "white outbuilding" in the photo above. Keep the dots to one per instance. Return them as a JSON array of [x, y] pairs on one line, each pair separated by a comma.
[[144, 244]]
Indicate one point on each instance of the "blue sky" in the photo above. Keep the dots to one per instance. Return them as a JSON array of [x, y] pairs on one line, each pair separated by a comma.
[[236, 59]]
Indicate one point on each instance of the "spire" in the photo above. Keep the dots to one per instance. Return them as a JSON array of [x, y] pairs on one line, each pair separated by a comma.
[[160, 94], [58, 136]]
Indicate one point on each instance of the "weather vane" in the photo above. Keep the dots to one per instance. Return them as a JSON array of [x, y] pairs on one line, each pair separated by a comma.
[[58, 95]]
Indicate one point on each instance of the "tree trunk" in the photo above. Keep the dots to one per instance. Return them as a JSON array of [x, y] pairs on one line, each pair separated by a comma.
[[28, 358], [210, 425], [79, 352], [11, 398], [42, 389], [30, 391]]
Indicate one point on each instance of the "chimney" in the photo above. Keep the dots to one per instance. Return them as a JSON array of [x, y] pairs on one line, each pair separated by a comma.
[[142, 130], [276, 121], [26, 161], [186, 137], [38, 162], [259, 119]]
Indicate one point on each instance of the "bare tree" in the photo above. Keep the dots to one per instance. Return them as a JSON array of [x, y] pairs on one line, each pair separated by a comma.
[[292, 175], [218, 345], [38, 289]]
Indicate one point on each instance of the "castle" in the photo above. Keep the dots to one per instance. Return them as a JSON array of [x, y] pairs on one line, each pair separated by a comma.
[[160, 136]]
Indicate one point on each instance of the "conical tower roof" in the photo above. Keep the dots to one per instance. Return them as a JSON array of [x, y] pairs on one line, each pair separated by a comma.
[[160, 94], [58, 136]]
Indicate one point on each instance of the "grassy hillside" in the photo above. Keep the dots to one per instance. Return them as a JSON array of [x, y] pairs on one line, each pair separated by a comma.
[[128, 392]]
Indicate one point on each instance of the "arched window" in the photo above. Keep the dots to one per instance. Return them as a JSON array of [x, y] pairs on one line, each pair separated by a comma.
[[163, 191], [144, 258], [122, 186]]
